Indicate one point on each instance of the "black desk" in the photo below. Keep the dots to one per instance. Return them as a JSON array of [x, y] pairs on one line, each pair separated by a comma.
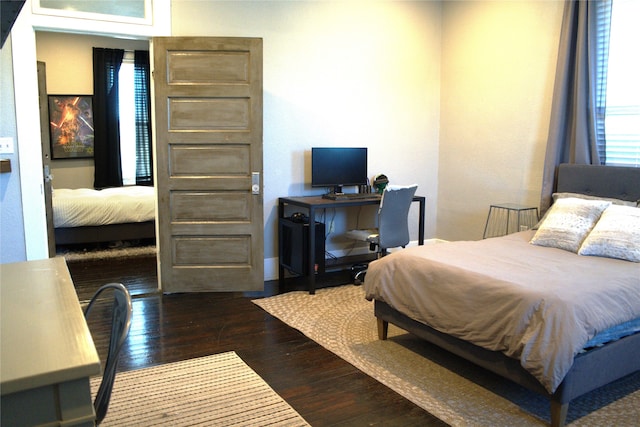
[[313, 203]]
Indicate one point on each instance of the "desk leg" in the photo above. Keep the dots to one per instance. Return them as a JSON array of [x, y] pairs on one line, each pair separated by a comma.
[[421, 222], [280, 267], [311, 279]]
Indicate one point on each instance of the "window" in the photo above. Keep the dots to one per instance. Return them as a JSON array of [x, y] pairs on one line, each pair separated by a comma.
[[134, 119], [622, 117], [126, 108], [112, 10]]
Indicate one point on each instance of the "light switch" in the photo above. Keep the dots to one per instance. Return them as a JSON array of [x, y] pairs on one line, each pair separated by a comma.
[[6, 145]]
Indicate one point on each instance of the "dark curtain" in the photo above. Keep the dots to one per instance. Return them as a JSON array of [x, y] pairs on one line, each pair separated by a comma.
[[108, 169], [144, 155], [576, 131]]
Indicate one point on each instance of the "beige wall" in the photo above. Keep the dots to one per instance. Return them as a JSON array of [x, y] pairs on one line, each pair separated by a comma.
[[69, 62], [498, 68], [338, 74]]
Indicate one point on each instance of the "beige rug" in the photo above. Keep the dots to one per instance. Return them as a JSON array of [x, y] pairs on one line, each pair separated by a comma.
[[457, 392], [217, 390], [93, 253]]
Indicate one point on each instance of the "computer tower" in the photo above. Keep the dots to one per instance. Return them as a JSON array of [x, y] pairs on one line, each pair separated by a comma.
[[294, 246]]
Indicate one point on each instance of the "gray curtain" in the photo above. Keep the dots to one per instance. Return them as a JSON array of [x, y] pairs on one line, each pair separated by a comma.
[[576, 130]]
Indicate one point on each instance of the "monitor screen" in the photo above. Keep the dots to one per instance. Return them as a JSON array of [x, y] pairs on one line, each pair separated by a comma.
[[338, 166]]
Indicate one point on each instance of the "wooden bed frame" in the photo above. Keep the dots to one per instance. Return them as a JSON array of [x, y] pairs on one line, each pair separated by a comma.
[[105, 233], [586, 374]]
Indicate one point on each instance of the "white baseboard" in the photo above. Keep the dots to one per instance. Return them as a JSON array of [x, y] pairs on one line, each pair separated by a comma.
[[271, 264]]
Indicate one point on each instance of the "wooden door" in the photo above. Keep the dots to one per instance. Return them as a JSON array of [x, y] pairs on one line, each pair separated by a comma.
[[46, 155], [208, 115]]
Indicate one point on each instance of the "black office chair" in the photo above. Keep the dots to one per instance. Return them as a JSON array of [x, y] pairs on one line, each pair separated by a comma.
[[393, 226], [120, 324]]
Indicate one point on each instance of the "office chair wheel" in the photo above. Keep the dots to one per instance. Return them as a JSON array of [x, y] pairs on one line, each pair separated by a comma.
[[357, 273]]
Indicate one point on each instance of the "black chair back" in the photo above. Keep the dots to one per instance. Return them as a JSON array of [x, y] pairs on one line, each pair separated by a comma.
[[120, 324]]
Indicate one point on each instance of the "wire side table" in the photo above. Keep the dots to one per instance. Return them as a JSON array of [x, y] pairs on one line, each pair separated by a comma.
[[507, 218]]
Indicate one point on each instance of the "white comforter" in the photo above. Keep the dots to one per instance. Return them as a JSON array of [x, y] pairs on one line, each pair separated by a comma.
[[88, 207], [537, 304]]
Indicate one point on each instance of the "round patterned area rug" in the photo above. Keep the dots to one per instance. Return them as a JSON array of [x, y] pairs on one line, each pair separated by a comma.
[[454, 390]]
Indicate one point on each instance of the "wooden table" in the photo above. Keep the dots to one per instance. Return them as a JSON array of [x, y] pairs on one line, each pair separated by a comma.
[[47, 353]]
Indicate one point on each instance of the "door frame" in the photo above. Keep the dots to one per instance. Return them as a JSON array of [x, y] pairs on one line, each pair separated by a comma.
[[46, 156], [25, 82]]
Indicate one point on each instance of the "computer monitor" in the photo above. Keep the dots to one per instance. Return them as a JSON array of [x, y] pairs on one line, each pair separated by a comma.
[[338, 166]]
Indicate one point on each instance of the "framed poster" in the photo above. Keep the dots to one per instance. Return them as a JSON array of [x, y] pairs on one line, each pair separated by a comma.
[[71, 126]]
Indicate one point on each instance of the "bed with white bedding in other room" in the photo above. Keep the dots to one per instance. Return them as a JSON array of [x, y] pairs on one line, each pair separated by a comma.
[[86, 215], [551, 319]]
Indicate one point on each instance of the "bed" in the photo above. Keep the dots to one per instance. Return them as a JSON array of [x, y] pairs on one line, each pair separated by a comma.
[[539, 314], [86, 215]]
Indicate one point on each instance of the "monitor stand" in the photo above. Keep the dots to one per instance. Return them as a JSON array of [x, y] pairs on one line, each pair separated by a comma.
[[335, 194]]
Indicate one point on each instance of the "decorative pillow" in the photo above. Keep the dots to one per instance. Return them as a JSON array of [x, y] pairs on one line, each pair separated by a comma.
[[615, 235], [568, 223], [558, 196]]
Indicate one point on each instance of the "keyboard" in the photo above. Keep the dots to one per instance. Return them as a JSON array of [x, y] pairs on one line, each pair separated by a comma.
[[352, 196]]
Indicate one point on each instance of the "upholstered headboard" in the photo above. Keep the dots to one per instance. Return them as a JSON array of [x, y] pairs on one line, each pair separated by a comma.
[[603, 181]]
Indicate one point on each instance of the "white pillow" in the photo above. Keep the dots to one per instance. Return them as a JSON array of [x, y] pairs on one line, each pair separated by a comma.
[[616, 235], [568, 223], [558, 196]]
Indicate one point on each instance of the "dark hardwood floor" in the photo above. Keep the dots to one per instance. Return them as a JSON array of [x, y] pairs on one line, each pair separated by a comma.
[[323, 388]]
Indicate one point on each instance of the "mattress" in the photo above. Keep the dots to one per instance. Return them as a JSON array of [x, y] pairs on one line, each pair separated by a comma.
[[536, 304], [613, 334], [89, 207]]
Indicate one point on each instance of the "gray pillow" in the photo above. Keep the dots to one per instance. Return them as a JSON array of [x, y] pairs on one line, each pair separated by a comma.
[[615, 235], [557, 196], [568, 223]]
